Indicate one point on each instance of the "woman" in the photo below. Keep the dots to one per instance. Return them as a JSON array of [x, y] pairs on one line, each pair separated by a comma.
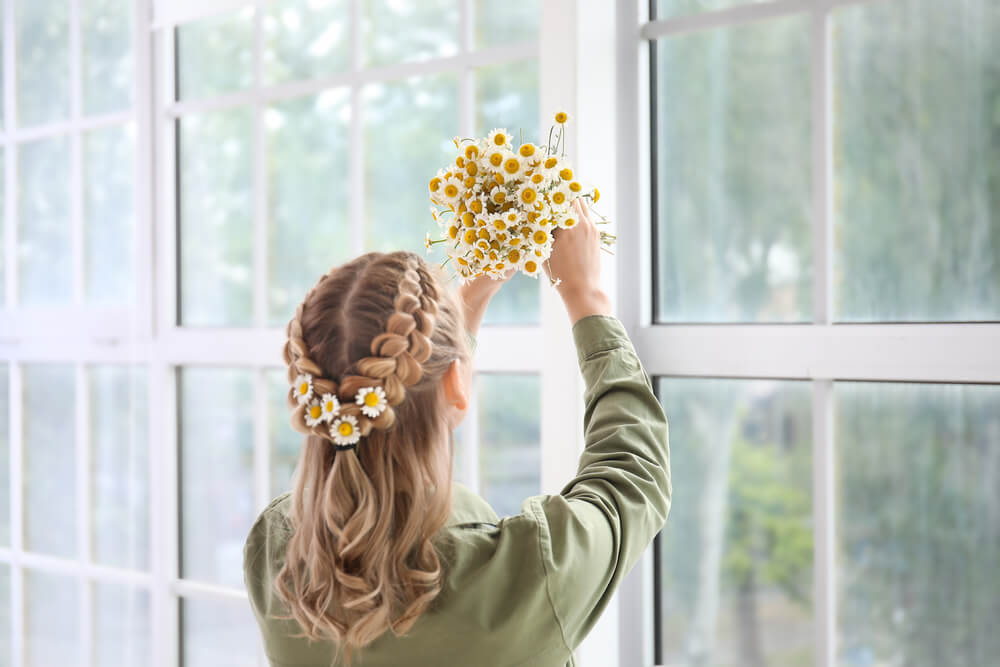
[[375, 555]]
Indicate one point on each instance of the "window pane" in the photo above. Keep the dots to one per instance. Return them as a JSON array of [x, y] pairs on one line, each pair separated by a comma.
[[667, 8], [510, 460], [4, 454], [3, 231], [286, 442], [122, 632], [51, 625], [409, 126], [107, 55], [215, 55], [919, 523], [733, 184], [305, 39], [507, 96], [394, 31], [216, 225], [43, 223], [736, 554], [218, 633], [216, 468], [308, 155], [119, 465], [917, 168], [49, 454], [42, 62], [6, 655], [505, 23], [109, 213]]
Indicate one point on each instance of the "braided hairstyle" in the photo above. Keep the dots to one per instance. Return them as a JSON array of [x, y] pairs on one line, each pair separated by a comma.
[[359, 559]]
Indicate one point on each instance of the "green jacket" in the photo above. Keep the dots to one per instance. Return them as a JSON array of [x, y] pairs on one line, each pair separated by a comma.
[[524, 589]]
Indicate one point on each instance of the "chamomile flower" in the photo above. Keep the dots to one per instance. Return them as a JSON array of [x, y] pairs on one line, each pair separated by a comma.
[[314, 413], [330, 405], [498, 137], [345, 430], [527, 193], [495, 157], [303, 388], [560, 196], [513, 167], [540, 235], [372, 401], [451, 190], [561, 117], [531, 266]]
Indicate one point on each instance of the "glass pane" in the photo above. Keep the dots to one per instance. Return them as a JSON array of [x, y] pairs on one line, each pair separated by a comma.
[[122, 626], [506, 23], [917, 161], [507, 96], [4, 454], [215, 55], [510, 458], [409, 127], [42, 37], [394, 31], [918, 503], [736, 555], [6, 655], [666, 8], [119, 465], [218, 633], [43, 223], [217, 507], [3, 231], [308, 158], [305, 39], [464, 466], [216, 225], [51, 620], [109, 213], [107, 55], [49, 454], [733, 179], [286, 442]]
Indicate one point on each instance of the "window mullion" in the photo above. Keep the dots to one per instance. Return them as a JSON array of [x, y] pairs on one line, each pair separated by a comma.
[[824, 517], [259, 184], [17, 625], [356, 166]]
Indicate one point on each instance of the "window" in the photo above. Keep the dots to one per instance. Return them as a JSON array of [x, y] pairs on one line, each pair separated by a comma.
[[817, 299]]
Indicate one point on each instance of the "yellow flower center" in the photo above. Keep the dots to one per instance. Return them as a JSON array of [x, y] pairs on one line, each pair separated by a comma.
[[566, 174], [371, 399], [540, 237], [329, 406], [597, 194], [462, 261], [561, 117], [559, 197], [470, 181], [511, 166], [472, 168], [345, 429], [451, 190], [514, 255], [530, 266], [537, 178], [500, 225], [460, 161], [575, 187], [435, 184], [528, 195], [551, 162], [500, 139], [468, 219], [476, 206], [498, 177], [569, 222], [304, 388], [471, 152], [484, 233], [315, 411], [527, 150], [498, 197], [453, 232], [470, 236], [496, 159]]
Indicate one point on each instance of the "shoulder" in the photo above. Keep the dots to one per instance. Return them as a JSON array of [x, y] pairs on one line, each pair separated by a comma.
[[269, 533]]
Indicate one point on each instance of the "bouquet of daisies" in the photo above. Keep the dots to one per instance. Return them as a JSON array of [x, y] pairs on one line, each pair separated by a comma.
[[498, 205]]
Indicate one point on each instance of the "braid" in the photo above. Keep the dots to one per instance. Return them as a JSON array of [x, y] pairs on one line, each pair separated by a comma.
[[394, 363]]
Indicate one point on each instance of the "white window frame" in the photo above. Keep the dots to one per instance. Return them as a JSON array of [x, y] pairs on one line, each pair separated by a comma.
[[822, 352]]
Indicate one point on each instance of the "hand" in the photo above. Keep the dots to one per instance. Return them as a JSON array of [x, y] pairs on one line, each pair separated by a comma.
[[576, 261], [476, 295]]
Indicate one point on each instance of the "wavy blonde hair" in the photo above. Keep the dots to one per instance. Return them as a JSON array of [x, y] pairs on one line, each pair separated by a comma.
[[360, 559]]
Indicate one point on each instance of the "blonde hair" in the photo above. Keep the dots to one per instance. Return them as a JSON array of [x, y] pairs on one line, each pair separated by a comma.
[[360, 559]]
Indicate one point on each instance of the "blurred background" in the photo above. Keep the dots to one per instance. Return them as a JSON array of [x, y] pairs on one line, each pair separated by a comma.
[[807, 200]]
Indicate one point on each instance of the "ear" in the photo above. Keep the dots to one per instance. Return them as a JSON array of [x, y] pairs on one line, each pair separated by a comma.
[[455, 390]]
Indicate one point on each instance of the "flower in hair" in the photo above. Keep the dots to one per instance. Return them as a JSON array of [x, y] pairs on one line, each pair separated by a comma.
[[314, 413], [303, 388], [372, 401], [330, 405], [345, 430]]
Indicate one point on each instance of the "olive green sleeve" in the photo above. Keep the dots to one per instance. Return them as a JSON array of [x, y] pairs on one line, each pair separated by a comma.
[[597, 527]]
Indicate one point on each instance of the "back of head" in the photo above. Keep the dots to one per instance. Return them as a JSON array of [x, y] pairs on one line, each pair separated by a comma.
[[366, 352]]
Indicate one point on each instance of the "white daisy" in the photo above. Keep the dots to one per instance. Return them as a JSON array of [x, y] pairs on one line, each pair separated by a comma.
[[531, 266], [372, 401], [560, 197], [330, 405], [345, 430], [303, 388], [513, 167], [314, 413], [498, 136]]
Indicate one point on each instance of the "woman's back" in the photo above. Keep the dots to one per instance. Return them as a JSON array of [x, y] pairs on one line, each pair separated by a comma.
[[525, 589]]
